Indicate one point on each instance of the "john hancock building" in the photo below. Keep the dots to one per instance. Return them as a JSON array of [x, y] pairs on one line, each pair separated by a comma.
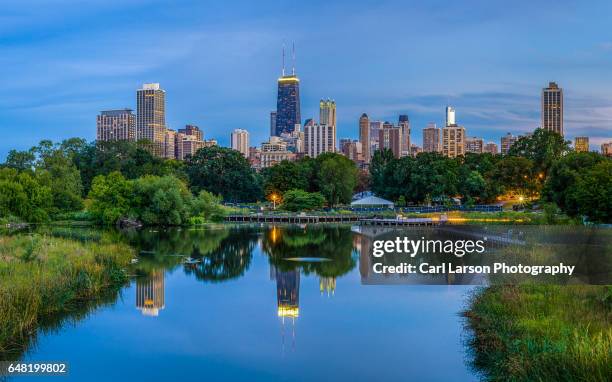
[[288, 101]]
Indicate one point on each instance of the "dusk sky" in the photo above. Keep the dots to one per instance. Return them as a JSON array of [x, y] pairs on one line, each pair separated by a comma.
[[64, 61]]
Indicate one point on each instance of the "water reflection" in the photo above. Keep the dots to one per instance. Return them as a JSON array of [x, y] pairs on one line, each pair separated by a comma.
[[150, 293]]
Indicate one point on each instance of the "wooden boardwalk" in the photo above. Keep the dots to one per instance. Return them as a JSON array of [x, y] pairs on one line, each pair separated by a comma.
[[313, 219]]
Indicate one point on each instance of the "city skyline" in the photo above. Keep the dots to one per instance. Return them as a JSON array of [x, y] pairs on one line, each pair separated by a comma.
[[95, 67]]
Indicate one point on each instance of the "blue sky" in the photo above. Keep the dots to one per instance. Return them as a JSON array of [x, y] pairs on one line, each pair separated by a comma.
[[62, 61]]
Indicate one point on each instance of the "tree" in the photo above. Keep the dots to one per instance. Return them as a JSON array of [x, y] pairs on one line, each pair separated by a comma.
[[543, 147], [161, 201], [336, 177], [592, 193], [20, 160], [513, 175], [223, 171], [563, 175], [378, 170], [207, 206], [285, 176], [110, 197], [23, 196], [299, 200]]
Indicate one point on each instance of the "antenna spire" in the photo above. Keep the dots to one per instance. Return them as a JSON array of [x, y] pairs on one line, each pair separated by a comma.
[[283, 59], [293, 59]]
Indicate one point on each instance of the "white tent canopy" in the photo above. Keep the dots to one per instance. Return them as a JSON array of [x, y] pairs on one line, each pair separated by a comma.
[[372, 201]]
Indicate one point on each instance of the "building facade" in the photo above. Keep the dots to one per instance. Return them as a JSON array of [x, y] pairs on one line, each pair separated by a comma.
[[116, 125], [431, 139], [151, 116], [287, 104], [274, 151], [450, 116], [506, 142], [581, 144], [491, 148], [352, 149], [364, 136], [552, 108], [453, 141], [474, 145], [404, 125], [390, 137], [319, 139], [240, 141], [606, 149], [327, 112]]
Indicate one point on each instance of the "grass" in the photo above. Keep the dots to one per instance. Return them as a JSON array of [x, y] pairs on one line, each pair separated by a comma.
[[542, 333], [43, 277]]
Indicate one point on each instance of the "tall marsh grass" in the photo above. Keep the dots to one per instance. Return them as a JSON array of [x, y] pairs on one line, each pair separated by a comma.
[[542, 333], [42, 277]]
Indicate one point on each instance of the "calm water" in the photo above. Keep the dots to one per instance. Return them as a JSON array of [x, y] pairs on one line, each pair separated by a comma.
[[242, 310]]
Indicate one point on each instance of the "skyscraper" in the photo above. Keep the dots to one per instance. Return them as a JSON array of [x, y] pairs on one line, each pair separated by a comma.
[[327, 112], [506, 142], [192, 130], [552, 108], [288, 101], [351, 149], [240, 141], [606, 149], [151, 116], [453, 141], [364, 136], [404, 125], [116, 125], [318, 139], [272, 123], [390, 137], [474, 145], [450, 116], [581, 144], [431, 139]]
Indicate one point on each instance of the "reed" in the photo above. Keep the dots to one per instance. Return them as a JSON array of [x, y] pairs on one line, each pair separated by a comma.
[[43, 276], [542, 333]]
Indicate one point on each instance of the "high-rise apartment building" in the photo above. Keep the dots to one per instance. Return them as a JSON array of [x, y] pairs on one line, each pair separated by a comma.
[[390, 137], [352, 149], [581, 144], [319, 139], [327, 112], [240, 141], [274, 151], [169, 148], [288, 101], [552, 108], [453, 141], [364, 136], [491, 148], [151, 116], [606, 149], [506, 142], [474, 145], [375, 127], [450, 116], [431, 139], [404, 125], [116, 125], [192, 130]]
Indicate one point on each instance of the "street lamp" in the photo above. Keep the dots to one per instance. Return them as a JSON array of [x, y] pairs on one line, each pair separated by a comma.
[[274, 197]]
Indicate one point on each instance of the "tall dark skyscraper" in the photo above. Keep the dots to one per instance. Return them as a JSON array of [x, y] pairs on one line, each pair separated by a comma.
[[288, 101]]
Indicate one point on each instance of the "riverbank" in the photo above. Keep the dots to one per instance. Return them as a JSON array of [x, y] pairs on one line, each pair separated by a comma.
[[542, 332], [43, 276]]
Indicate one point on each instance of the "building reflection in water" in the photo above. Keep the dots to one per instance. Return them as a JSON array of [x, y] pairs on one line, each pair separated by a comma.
[[150, 297], [327, 285], [288, 301]]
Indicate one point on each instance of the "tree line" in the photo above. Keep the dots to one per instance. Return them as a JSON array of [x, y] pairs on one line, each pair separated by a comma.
[[110, 180]]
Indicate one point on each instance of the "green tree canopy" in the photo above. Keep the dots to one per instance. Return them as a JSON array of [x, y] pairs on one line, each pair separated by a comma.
[[299, 200], [543, 147], [223, 171], [336, 177]]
